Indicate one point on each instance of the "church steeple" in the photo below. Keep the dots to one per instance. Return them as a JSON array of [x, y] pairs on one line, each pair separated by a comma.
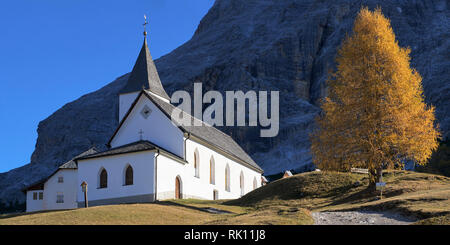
[[144, 73]]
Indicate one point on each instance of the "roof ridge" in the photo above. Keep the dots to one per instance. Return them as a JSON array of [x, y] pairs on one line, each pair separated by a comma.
[[195, 118], [136, 146]]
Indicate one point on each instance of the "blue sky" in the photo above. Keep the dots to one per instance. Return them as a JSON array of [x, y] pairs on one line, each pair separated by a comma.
[[53, 52]]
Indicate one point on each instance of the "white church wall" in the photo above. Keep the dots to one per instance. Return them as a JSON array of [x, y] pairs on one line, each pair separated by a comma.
[[125, 101], [201, 187], [67, 188], [34, 205], [156, 128], [116, 190], [167, 171]]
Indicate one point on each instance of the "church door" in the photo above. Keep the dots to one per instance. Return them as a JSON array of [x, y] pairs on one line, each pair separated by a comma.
[[177, 188]]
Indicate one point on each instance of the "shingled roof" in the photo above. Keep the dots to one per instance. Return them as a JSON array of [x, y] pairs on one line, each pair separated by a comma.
[[133, 147], [207, 133], [142, 145], [144, 75], [71, 164]]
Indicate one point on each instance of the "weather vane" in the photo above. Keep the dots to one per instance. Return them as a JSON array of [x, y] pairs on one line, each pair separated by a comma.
[[145, 23]]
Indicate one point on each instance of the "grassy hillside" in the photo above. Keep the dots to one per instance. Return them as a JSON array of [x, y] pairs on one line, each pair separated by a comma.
[[285, 201], [179, 212], [113, 214], [418, 194]]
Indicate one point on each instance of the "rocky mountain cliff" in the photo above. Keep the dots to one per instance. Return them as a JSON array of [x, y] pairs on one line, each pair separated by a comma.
[[285, 45]]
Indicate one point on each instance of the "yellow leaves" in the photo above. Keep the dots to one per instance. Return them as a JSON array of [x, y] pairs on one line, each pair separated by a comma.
[[375, 113]]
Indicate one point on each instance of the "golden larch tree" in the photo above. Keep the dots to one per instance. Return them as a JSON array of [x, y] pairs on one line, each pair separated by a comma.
[[374, 115]]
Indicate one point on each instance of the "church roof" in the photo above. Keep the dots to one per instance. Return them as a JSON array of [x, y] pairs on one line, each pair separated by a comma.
[[72, 164], [144, 75], [208, 133], [39, 185], [142, 145]]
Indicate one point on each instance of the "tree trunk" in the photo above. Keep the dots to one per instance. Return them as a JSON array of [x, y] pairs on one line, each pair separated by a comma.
[[380, 174], [372, 179], [375, 176]]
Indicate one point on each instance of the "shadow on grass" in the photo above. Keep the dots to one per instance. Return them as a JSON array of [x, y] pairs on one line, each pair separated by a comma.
[[397, 206], [362, 195], [339, 191], [7, 216], [207, 209]]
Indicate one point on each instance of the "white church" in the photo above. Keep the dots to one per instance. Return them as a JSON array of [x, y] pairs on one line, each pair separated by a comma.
[[149, 157]]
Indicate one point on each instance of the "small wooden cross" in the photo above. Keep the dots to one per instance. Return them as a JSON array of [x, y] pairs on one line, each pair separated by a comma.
[[140, 134], [145, 24]]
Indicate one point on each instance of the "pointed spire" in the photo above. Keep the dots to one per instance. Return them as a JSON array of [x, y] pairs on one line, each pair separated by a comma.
[[145, 24], [144, 74]]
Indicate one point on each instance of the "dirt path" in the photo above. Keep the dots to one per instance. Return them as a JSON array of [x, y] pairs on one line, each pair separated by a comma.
[[360, 218]]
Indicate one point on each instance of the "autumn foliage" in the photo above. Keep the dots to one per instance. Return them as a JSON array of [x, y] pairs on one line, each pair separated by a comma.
[[374, 115]]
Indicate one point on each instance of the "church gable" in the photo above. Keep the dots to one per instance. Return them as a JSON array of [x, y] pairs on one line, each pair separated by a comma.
[[145, 121]]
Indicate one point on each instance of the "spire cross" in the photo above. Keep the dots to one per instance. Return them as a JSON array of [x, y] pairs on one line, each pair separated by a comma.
[[140, 134], [145, 24]]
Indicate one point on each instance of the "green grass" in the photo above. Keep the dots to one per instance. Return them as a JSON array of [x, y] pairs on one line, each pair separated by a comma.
[[285, 201]]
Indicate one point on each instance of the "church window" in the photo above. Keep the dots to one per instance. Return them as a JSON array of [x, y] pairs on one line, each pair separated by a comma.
[[34, 195], [212, 171], [60, 179], [227, 178], [129, 175], [59, 197], [41, 195], [255, 184], [103, 183], [146, 111], [196, 164]]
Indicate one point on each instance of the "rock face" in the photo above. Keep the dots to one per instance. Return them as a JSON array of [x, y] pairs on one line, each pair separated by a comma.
[[284, 45]]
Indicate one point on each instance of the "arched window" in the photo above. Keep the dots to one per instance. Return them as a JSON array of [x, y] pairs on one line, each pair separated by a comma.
[[241, 182], [103, 179], [227, 178], [255, 184], [196, 164], [128, 175], [212, 171]]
